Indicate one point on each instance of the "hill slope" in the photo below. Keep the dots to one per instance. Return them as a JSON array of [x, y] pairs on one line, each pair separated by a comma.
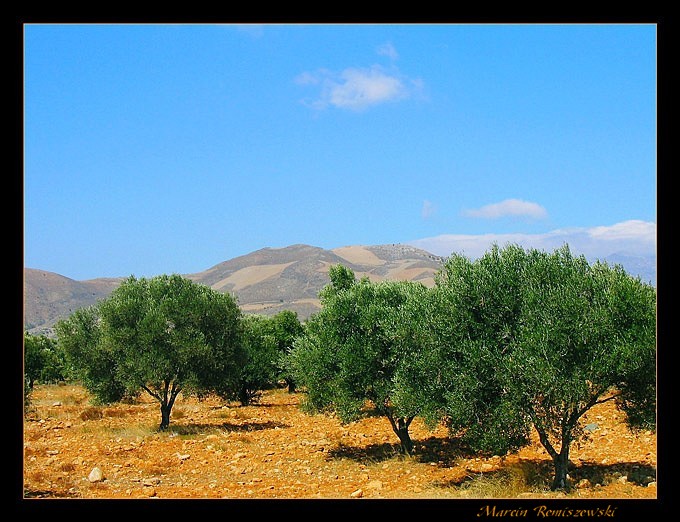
[[48, 296], [265, 281]]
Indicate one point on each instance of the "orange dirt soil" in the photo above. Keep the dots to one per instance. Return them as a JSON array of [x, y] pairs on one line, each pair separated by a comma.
[[274, 450]]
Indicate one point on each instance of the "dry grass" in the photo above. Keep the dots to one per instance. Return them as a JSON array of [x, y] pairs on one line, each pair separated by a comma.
[[91, 413]]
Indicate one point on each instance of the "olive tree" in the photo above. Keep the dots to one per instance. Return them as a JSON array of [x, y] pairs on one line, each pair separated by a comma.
[[285, 327], [353, 348], [163, 335], [257, 358], [44, 361], [549, 337], [587, 335]]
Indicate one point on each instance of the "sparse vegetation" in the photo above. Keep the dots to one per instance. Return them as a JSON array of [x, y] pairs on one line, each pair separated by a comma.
[[207, 454], [512, 350]]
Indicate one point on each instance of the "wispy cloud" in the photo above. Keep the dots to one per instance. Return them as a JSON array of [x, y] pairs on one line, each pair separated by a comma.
[[357, 88], [428, 209], [632, 237], [387, 49], [508, 208]]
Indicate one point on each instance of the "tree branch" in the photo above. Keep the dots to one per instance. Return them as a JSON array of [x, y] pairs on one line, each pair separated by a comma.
[[542, 435], [153, 394], [607, 399]]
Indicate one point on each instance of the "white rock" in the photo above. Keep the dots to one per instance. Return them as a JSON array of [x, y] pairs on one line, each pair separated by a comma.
[[96, 475], [357, 494]]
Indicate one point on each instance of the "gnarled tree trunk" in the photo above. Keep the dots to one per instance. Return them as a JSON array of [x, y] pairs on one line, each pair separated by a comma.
[[400, 427]]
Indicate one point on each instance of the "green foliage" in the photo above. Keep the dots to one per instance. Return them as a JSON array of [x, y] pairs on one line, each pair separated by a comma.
[[163, 335], [93, 362], [353, 349], [257, 359], [285, 328], [477, 309], [44, 361]]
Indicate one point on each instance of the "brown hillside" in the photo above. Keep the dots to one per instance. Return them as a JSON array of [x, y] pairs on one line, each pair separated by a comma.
[[49, 296], [266, 281]]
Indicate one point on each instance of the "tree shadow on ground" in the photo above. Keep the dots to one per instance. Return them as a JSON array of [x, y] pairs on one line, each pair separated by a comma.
[[36, 493], [597, 473], [529, 474], [440, 450], [199, 428], [538, 475]]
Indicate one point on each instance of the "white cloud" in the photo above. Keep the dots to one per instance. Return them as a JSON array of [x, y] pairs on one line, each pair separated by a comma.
[[428, 209], [387, 49], [357, 88], [508, 208], [634, 237]]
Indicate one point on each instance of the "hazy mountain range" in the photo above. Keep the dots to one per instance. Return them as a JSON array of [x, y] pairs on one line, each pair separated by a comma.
[[265, 281]]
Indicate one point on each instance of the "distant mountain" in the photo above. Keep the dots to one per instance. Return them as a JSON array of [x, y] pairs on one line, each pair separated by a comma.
[[265, 281], [48, 297], [644, 267]]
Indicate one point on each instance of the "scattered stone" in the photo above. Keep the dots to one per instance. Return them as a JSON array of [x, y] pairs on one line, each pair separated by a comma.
[[150, 492], [591, 427], [52, 452], [56, 404], [623, 479], [153, 481], [183, 457], [240, 455], [583, 484], [652, 484], [375, 484], [357, 494], [487, 467], [96, 475]]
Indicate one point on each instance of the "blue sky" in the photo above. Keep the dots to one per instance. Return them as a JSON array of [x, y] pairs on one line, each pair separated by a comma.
[[155, 149]]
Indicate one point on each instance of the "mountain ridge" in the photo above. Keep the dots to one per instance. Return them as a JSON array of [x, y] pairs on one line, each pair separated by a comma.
[[264, 281]]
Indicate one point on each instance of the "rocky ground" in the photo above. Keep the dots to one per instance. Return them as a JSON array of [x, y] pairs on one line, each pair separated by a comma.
[[274, 450]]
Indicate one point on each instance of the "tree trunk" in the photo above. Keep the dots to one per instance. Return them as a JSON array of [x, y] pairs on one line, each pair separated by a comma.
[[244, 396], [165, 416], [291, 385], [405, 439], [561, 463]]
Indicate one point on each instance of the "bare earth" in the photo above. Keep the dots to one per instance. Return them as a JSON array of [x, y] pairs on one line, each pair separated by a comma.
[[274, 450]]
